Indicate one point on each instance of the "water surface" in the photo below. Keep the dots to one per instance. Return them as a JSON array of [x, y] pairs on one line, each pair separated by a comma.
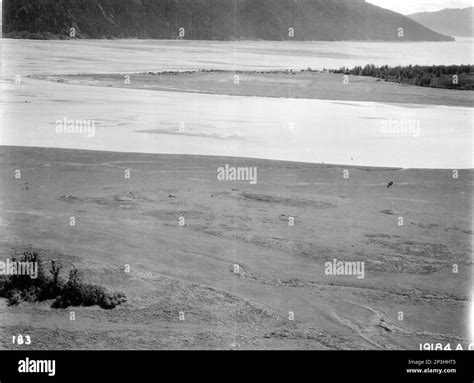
[[128, 120]]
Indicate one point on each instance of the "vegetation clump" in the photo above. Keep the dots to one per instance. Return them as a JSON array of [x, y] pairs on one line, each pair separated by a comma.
[[48, 284]]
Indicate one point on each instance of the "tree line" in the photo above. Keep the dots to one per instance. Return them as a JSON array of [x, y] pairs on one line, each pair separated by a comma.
[[436, 76]]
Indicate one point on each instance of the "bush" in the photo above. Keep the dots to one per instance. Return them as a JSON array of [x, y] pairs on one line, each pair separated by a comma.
[[77, 293], [85, 294], [14, 297], [17, 288], [74, 292]]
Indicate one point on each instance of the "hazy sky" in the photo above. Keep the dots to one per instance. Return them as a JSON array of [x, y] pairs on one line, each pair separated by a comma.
[[411, 6]]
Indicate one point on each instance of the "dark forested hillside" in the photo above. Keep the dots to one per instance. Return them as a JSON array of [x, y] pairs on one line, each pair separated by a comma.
[[211, 20]]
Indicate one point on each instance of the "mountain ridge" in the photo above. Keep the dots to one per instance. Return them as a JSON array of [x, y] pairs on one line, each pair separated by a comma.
[[452, 21], [310, 20]]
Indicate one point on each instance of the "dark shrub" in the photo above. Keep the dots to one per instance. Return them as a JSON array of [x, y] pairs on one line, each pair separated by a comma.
[[14, 297], [21, 288], [85, 294]]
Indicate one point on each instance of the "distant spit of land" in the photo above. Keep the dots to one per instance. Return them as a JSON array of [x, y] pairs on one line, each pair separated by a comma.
[[306, 84]]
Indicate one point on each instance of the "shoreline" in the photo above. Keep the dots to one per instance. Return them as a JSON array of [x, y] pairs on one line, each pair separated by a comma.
[[67, 38], [213, 158]]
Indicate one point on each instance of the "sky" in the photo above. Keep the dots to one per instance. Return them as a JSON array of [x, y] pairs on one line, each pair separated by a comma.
[[407, 7]]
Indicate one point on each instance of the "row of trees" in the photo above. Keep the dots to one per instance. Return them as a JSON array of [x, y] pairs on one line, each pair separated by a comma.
[[439, 76]]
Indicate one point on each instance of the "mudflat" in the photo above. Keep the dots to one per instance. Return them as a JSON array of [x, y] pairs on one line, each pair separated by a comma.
[[233, 264]]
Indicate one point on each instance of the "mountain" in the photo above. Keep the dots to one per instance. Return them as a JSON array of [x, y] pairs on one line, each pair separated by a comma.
[[211, 20], [453, 22]]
